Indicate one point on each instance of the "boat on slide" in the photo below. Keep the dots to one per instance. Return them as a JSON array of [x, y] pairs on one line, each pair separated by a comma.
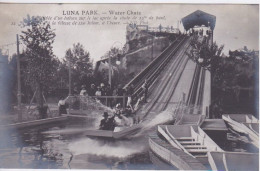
[[119, 132], [124, 127]]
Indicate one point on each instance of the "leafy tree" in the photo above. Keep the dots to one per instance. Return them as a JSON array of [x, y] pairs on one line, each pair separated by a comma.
[[41, 62], [113, 52], [81, 65], [234, 81]]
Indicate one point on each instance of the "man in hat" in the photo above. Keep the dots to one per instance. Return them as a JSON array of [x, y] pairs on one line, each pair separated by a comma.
[[104, 122]]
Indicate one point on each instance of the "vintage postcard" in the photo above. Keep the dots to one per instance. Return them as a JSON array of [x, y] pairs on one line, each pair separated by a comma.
[[129, 86]]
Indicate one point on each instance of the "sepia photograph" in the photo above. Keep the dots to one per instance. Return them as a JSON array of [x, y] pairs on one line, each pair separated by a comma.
[[130, 86]]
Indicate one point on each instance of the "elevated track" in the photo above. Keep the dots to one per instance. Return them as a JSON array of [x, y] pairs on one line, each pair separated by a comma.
[[169, 76]]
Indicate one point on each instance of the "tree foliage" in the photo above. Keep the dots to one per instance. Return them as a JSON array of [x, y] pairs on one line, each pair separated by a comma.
[[234, 83], [233, 77], [80, 63], [38, 38]]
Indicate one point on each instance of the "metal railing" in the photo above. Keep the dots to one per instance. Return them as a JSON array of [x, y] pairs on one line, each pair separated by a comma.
[[81, 102], [151, 72]]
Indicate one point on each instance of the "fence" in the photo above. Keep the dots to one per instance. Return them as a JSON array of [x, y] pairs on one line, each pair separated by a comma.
[[82, 102]]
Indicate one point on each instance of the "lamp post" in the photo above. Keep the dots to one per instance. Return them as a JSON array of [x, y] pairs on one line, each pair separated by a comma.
[[18, 80], [69, 77], [153, 43], [109, 69], [109, 62]]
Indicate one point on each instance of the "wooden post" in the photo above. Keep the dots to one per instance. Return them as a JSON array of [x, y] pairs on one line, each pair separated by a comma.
[[109, 70], [69, 85], [18, 80], [124, 101], [207, 112], [183, 97], [152, 46], [69, 77]]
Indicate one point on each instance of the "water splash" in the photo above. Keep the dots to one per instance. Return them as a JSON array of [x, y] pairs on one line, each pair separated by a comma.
[[118, 149], [161, 118], [93, 104], [94, 109]]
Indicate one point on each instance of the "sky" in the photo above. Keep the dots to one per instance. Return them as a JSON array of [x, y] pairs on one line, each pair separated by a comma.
[[236, 25]]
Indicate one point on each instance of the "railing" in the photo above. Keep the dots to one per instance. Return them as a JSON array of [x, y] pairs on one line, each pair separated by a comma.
[[81, 102], [151, 72]]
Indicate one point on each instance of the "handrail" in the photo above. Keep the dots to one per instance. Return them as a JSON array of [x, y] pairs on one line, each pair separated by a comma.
[[156, 71], [152, 63], [78, 97]]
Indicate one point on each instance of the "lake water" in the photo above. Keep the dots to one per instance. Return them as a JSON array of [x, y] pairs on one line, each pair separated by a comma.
[[47, 147], [34, 148]]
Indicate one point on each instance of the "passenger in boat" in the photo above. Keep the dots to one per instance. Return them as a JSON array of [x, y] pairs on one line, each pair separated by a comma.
[[111, 124], [104, 122], [129, 110], [118, 109]]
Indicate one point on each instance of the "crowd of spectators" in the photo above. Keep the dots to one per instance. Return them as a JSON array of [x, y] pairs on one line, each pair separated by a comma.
[[109, 96]]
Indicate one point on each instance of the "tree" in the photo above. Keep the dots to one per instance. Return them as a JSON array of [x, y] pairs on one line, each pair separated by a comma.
[[80, 63], [41, 62], [113, 52]]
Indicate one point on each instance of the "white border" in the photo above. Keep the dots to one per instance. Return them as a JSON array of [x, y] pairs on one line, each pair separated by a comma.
[[137, 1]]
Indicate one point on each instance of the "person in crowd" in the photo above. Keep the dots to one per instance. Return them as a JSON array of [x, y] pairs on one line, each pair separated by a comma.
[[109, 92], [83, 91], [98, 93], [62, 106], [92, 90], [120, 92], [145, 90], [114, 93], [129, 93], [104, 122], [75, 91], [103, 92], [131, 89], [103, 89]]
